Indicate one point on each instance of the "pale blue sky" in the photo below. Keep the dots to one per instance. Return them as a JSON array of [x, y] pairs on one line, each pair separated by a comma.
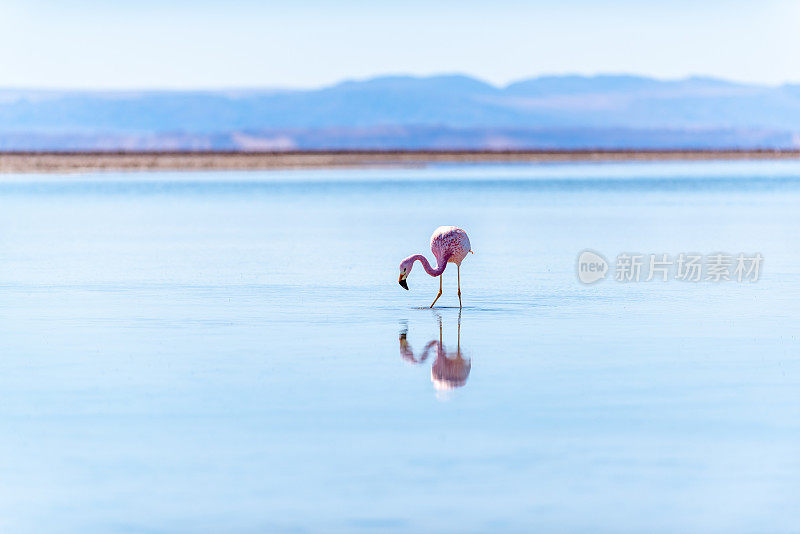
[[249, 43]]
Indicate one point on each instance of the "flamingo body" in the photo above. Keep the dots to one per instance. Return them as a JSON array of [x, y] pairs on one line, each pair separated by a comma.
[[450, 242]]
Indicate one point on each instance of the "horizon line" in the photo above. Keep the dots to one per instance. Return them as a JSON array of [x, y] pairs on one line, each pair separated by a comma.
[[387, 75]]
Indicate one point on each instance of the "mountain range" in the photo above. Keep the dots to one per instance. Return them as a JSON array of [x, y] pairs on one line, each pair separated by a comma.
[[405, 112]]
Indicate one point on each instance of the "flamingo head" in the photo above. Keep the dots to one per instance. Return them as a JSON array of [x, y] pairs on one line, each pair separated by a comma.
[[405, 270]]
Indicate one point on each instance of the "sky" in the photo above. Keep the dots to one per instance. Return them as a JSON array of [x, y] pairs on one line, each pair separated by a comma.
[[203, 44]]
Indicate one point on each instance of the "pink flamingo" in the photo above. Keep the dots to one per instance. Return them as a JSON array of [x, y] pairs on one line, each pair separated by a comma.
[[449, 245]]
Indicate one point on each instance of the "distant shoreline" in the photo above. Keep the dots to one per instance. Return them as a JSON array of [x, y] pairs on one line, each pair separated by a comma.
[[56, 162]]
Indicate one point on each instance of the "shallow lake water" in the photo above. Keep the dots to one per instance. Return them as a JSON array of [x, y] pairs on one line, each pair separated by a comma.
[[231, 352]]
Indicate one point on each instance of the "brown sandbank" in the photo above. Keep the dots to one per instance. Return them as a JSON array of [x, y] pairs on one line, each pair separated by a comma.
[[34, 162]]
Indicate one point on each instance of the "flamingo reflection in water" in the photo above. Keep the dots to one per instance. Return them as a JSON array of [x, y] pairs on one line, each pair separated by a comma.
[[450, 370]]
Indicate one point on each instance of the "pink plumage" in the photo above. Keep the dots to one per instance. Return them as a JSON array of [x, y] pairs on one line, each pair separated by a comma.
[[449, 244]]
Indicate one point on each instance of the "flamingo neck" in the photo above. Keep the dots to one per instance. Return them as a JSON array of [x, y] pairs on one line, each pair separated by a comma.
[[427, 266]]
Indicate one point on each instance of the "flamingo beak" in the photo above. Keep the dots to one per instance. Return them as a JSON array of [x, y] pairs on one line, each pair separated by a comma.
[[403, 283]]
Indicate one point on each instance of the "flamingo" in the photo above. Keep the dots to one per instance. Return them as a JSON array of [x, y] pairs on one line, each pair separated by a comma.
[[449, 245]]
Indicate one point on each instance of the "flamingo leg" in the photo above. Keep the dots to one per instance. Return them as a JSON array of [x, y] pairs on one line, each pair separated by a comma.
[[458, 267], [440, 291]]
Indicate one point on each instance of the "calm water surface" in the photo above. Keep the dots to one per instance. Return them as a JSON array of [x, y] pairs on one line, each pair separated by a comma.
[[231, 352]]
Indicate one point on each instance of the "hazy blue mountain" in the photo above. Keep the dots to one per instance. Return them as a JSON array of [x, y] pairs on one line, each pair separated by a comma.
[[449, 111]]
